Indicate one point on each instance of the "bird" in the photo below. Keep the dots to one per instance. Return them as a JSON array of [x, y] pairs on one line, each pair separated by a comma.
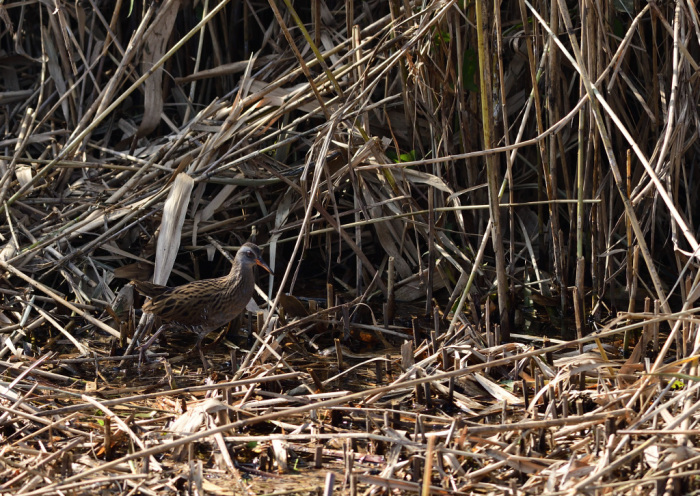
[[205, 305]]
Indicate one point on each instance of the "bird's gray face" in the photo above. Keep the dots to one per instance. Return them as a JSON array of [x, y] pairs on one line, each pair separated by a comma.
[[250, 255]]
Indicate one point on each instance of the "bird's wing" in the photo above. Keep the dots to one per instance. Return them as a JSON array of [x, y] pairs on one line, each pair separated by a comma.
[[149, 289], [186, 304]]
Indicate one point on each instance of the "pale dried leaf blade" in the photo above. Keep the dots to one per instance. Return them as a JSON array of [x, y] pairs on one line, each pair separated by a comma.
[[496, 391], [55, 69], [219, 199], [386, 232], [8, 251], [171, 227], [279, 449], [156, 44], [280, 97], [418, 177]]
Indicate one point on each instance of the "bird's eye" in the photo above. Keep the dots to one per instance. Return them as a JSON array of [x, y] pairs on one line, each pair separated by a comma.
[[250, 254]]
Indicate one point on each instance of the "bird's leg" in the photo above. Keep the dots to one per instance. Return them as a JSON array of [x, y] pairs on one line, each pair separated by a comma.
[[147, 344], [205, 363], [217, 339]]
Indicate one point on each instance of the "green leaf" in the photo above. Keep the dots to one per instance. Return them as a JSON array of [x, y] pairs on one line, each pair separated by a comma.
[[408, 157], [441, 37], [404, 157]]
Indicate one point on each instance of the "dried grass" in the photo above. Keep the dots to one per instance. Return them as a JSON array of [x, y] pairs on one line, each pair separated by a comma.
[[435, 186]]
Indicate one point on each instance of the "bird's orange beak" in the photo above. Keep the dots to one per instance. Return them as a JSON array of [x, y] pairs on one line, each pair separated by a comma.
[[262, 264]]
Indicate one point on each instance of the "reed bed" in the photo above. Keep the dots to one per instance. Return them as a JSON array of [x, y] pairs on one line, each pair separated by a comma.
[[481, 220]]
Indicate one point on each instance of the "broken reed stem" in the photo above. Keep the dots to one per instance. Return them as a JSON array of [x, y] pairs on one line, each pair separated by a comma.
[[384, 59], [577, 300], [427, 473]]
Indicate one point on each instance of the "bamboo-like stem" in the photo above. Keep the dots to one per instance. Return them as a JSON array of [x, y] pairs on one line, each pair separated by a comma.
[[492, 168]]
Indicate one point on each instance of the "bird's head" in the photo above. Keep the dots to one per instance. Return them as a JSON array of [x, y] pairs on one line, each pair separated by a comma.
[[250, 255]]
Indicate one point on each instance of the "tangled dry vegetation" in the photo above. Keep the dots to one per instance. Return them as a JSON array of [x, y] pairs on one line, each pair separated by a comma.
[[438, 185]]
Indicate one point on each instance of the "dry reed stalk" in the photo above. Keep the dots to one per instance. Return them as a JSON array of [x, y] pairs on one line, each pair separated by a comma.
[[359, 133]]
